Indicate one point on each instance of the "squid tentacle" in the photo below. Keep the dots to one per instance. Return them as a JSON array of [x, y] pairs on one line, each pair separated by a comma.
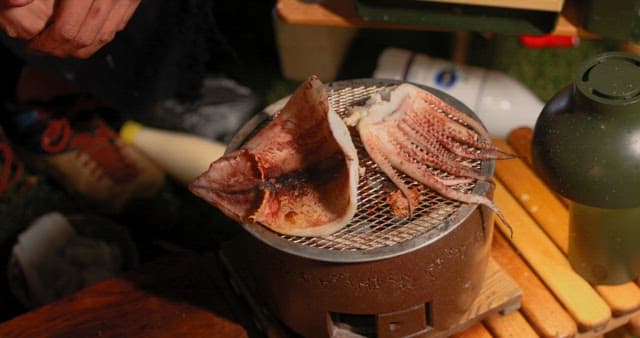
[[457, 114], [407, 164], [478, 150], [421, 174], [434, 131], [429, 138], [438, 130], [452, 127], [370, 142], [417, 134], [459, 126], [417, 174], [435, 158]]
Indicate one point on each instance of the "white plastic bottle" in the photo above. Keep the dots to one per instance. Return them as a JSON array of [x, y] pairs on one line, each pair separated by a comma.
[[501, 102], [184, 156]]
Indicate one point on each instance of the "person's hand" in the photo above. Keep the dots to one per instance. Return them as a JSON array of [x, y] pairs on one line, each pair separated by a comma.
[[64, 28], [79, 28], [24, 19]]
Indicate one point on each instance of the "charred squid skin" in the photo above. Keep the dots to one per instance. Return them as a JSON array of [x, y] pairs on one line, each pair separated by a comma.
[[240, 190], [273, 178]]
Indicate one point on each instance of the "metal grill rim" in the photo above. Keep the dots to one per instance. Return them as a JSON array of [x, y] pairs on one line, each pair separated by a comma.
[[374, 232]]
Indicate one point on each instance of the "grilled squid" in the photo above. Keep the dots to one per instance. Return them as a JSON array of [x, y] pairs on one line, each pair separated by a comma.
[[408, 130], [297, 176]]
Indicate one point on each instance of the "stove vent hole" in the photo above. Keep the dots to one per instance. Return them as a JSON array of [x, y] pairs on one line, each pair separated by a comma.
[[365, 325], [355, 325], [428, 314]]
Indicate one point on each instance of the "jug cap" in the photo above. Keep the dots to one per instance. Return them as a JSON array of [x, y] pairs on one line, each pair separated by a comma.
[[611, 78]]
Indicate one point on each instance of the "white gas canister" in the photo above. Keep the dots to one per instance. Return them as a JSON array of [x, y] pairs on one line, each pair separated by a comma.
[[501, 102], [184, 156]]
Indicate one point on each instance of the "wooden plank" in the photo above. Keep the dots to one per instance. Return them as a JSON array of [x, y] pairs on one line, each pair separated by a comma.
[[616, 323], [622, 298], [539, 5], [476, 331], [512, 325], [166, 299], [338, 13], [539, 305], [499, 293], [579, 298], [342, 13], [552, 216], [520, 141], [569, 22], [540, 202]]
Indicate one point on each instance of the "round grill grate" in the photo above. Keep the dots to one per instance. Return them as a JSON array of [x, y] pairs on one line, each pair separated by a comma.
[[374, 233]]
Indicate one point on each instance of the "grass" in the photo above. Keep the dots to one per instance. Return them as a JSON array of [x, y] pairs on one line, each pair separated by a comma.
[[544, 71]]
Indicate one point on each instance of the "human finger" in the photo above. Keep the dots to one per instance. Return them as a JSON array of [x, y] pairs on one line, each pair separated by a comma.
[[108, 31], [93, 25], [59, 37], [120, 15], [27, 21], [133, 5]]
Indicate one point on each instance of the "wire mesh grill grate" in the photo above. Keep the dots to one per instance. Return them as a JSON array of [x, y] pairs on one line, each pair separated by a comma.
[[374, 225]]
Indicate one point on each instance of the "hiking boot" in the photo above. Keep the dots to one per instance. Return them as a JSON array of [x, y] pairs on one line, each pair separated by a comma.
[[68, 140]]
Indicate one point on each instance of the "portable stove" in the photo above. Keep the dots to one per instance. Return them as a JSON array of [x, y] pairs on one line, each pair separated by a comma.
[[381, 276]]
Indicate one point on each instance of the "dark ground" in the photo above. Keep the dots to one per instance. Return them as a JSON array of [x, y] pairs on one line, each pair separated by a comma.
[[176, 219]]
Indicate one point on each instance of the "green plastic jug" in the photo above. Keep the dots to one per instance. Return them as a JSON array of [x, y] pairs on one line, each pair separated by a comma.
[[586, 147]]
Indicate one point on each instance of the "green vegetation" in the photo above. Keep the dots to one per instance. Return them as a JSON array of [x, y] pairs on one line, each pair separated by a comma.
[[544, 71]]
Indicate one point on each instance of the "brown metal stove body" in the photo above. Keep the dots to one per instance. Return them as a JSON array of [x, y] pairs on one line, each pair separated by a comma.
[[380, 275], [425, 290]]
